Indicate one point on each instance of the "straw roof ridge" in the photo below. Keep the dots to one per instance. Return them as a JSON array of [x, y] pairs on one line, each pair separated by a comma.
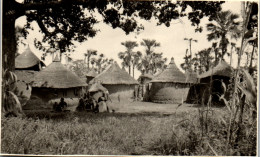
[[114, 75], [57, 76], [222, 69], [171, 74], [27, 59]]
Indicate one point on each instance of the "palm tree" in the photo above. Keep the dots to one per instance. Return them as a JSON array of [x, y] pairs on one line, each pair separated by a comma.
[[127, 56], [226, 25], [136, 60], [88, 55], [187, 61], [151, 61], [92, 62], [149, 45], [216, 52], [99, 62]]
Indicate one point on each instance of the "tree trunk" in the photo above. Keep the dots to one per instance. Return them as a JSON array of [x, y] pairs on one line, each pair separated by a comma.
[[231, 55], [216, 58], [133, 71], [251, 61], [9, 42], [88, 62], [129, 68]]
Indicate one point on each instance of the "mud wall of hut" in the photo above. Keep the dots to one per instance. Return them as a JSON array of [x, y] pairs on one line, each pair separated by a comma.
[[47, 96], [162, 92], [121, 92]]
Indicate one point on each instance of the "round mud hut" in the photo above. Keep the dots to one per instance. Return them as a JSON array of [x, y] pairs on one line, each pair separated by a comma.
[[28, 61], [27, 65], [218, 78], [170, 86], [55, 82], [119, 83], [192, 78]]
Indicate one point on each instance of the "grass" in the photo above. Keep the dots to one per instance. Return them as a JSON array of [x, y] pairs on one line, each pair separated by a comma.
[[135, 133]]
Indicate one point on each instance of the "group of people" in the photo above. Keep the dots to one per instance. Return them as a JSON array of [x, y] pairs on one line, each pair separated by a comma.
[[61, 106], [88, 103]]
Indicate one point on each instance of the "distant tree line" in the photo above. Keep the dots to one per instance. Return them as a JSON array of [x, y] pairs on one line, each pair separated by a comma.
[[147, 62]]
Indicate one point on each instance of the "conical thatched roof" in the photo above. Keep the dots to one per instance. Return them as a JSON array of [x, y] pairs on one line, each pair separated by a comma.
[[57, 76], [170, 74], [222, 69], [191, 77], [27, 59], [25, 75], [97, 87], [114, 75], [91, 73], [147, 75]]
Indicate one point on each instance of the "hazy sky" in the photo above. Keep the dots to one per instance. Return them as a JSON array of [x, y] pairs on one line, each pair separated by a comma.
[[108, 40]]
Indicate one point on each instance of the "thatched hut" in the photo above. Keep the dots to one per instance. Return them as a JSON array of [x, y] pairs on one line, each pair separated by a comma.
[[218, 78], [27, 65], [119, 83], [170, 86], [28, 61], [56, 81], [192, 78]]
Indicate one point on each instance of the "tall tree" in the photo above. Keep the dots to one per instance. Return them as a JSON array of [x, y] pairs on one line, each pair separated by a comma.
[[190, 41], [128, 55], [137, 56], [151, 61], [88, 56], [100, 61], [187, 61], [226, 25], [216, 52], [149, 45], [64, 22]]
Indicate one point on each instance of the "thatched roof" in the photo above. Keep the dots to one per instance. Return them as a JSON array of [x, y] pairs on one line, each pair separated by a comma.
[[57, 76], [97, 87], [222, 69], [25, 75], [150, 76], [91, 73], [170, 74], [114, 75], [191, 77], [27, 59]]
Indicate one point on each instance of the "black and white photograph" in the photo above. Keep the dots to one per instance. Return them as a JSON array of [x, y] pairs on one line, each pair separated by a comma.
[[129, 77]]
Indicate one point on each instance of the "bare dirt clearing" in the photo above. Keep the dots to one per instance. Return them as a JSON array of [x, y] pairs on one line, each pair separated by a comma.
[[148, 107]]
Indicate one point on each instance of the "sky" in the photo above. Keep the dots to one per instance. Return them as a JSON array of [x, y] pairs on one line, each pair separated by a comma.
[[108, 40]]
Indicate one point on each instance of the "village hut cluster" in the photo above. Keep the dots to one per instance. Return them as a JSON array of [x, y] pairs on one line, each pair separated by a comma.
[[48, 86]]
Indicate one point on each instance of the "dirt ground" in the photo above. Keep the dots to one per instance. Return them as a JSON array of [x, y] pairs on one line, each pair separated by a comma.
[[149, 107]]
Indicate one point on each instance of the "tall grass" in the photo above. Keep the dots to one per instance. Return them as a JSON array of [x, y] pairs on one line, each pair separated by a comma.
[[118, 134]]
